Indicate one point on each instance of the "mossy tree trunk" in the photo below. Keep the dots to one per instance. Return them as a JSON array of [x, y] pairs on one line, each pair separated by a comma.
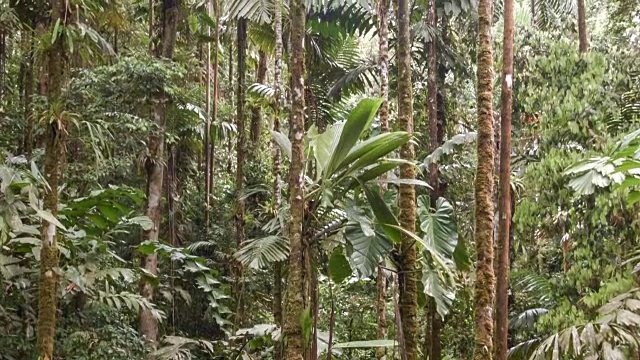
[[256, 111], [154, 167], [57, 62], [241, 145], [408, 275], [296, 296], [504, 200], [383, 118], [277, 174], [485, 280]]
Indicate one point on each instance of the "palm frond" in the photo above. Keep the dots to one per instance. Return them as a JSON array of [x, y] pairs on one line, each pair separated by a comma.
[[257, 11], [527, 318], [259, 253]]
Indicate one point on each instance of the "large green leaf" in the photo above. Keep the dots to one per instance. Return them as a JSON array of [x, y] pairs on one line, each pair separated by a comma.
[[372, 149], [367, 251], [283, 141], [359, 119], [438, 225], [438, 289], [324, 145], [339, 268], [384, 216]]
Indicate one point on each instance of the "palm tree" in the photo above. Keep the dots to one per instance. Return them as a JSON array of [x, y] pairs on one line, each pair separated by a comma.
[[485, 279], [154, 167], [407, 276], [504, 201]]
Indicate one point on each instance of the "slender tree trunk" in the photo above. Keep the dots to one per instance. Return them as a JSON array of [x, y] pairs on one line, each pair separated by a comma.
[[408, 275], [58, 61], [207, 132], [151, 24], [485, 280], [296, 298], [241, 145], [433, 318], [154, 169], [582, 27], [28, 93], [277, 177], [383, 117], [216, 95], [256, 112], [504, 202]]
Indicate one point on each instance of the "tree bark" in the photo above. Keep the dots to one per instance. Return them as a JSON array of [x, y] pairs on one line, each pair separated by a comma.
[[296, 297], [28, 93], [58, 61], [407, 277], [207, 132], [485, 280], [582, 27], [256, 112], [155, 170], [383, 117], [504, 202], [241, 145], [277, 176], [216, 95]]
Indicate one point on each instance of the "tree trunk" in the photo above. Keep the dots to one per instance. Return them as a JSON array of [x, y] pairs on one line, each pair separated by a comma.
[[154, 169], [207, 132], [504, 202], [216, 95], [485, 281], [295, 298], [433, 318], [383, 117], [58, 60], [277, 177], [408, 275], [256, 112], [240, 160], [28, 93], [582, 27]]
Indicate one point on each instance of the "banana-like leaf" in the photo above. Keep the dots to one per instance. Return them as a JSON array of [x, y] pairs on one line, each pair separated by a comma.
[[358, 120], [384, 216], [370, 151]]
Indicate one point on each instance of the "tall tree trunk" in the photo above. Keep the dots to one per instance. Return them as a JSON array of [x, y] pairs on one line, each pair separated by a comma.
[[58, 61], [504, 202], [256, 112], [383, 117], [433, 318], [296, 298], [241, 145], [582, 27], [216, 95], [407, 277], [155, 170], [151, 25], [28, 93], [485, 280], [207, 132], [277, 177]]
